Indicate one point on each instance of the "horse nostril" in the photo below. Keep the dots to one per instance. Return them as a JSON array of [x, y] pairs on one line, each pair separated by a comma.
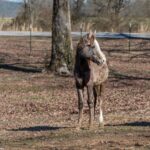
[[88, 44]]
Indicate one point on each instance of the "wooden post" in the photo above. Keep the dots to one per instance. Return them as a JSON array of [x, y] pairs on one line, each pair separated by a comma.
[[81, 30], [30, 26], [129, 41]]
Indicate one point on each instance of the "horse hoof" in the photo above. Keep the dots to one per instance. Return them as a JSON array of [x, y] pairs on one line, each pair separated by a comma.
[[90, 127], [78, 128], [101, 125]]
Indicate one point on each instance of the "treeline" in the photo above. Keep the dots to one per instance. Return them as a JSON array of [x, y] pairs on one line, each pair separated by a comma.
[[102, 15], [113, 15]]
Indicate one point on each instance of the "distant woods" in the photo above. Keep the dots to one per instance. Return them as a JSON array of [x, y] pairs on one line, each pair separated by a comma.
[[102, 15], [112, 15], [35, 14]]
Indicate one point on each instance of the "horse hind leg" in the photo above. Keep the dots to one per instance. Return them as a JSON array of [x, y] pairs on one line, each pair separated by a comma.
[[101, 119]]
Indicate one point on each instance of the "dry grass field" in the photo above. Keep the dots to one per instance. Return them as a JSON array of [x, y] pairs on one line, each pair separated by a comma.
[[38, 110]]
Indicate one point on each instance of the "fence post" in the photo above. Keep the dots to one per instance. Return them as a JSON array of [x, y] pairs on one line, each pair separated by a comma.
[[30, 25], [129, 41]]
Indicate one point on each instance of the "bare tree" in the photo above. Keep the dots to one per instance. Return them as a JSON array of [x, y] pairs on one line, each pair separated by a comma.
[[102, 15], [61, 36], [77, 6], [110, 14], [38, 12]]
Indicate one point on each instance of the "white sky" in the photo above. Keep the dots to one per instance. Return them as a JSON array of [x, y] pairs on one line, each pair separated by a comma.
[[15, 0]]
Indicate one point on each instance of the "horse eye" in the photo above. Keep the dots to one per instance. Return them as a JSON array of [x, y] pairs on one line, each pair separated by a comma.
[[93, 46]]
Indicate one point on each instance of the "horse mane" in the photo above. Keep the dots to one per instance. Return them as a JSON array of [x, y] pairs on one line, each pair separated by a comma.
[[99, 51]]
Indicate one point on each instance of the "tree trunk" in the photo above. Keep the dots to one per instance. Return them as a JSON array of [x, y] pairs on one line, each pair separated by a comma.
[[61, 36]]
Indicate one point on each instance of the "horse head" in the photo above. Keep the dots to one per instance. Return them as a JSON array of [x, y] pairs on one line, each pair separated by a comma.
[[89, 40]]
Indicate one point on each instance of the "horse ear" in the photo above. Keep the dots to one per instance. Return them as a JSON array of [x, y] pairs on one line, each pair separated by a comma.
[[94, 34], [81, 29], [90, 34], [93, 38]]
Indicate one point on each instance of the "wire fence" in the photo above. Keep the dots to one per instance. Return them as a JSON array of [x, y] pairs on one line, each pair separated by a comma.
[[21, 51], [105, 35]]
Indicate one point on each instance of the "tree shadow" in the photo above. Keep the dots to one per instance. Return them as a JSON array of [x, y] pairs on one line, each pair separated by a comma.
[[111, 51], [143, 55], [134, 124], [121, 83], [122, 76], [20, 68], [38, 128], [142, 124], [119, 79]]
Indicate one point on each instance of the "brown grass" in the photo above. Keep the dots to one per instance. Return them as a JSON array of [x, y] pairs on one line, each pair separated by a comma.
[[39, 110]]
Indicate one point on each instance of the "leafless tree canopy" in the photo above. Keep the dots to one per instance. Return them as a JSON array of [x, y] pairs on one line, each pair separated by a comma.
[[37, 13], [102, 15]]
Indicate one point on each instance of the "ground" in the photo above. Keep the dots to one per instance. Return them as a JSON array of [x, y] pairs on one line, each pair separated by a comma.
[[38, 110]]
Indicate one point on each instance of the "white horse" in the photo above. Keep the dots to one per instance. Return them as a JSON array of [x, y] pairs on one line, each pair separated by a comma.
[[91, 71]]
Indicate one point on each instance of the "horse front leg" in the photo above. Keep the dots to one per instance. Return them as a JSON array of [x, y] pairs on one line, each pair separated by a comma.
[[91, 105], [80, 107], [95, 100]]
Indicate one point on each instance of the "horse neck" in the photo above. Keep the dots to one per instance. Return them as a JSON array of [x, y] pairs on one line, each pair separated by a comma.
[[81, 63], [99, 51]]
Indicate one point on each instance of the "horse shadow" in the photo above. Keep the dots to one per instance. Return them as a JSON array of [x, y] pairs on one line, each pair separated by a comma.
[[38, 128]]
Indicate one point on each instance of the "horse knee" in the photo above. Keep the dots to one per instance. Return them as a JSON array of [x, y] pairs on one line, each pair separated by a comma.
[[80, 105], [90, 104]]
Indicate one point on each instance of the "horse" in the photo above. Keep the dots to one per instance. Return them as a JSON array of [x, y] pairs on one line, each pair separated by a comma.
[[90, 72]]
